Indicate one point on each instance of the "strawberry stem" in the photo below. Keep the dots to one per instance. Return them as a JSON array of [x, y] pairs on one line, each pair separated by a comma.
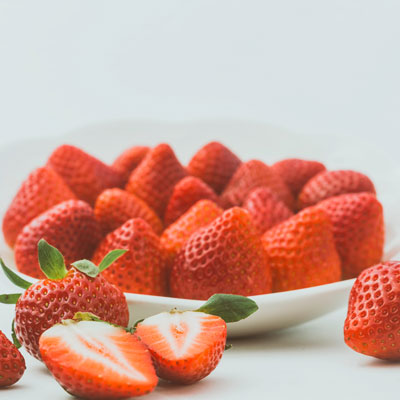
[[51, 261]]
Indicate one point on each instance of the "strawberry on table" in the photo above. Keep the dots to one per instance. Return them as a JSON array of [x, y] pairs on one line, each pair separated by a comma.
[[12, 363]]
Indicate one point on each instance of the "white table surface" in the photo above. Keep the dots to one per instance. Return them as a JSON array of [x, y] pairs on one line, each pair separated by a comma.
[[311, 66]]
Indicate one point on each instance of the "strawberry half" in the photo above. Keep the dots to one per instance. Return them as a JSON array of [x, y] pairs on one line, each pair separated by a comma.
[[12, 365], [96, 360]]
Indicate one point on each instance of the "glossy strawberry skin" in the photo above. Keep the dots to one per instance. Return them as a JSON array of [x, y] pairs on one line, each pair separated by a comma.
[[301, 251], [266, 209], [47, 302], [187, 192], [214, 164], [155, 177], [224, 257], [12, 365], [358, 229], [41, 190], [372, 325], [333, 183], [115, 206], [86, 175], [143, 268], [70, 226]]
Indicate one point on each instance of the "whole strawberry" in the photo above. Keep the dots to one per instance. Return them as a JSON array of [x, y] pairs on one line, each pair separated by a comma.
[[86, 175], [62, 294], [12, 365], [143, 268], [372, 325], [41, 190], [224, 257], [70, 226]]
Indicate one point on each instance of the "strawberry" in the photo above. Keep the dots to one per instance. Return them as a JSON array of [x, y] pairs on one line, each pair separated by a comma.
[[358, 229], [12, 365], [296, 172], [265, 209], [302, 251], [155, 177], [143, 268], [70, 226], [126, 162], [224, 257], [333, 183], [95, 360], [186, 346], [198, 216], [372, 325], [42, 190], [249, 176], [187, 192], [84, 174], [214, 164], [62, 294], [115, 206]]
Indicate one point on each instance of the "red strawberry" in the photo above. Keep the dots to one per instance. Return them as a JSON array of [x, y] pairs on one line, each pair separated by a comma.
[[12, 365], [198, 216], [249, 176], [187, 192], [41, 190], [154, 179], [224, 257], [62, 294], [296, 172], [372, 325], [143, 268], [333, 183], [214, 164], [126, 162], [302, 251], [358, 229], [84, 174], [115, 206], [96, 360], [266, 209], [70, 226]]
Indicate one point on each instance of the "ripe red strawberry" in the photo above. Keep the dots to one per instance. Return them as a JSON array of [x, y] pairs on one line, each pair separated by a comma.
[[115, 206], [296, 172], [358, 229], [266, 209], [372, 325], [198, 216], [41, 190], [187, 192], [126, 162], [96, 360], [301, 251], [154, 179], [84, 174], [333, 183], [224, 257], [70, 226], [62, 294], [12, 365], [143, 268], [214, 164], [249, 176]]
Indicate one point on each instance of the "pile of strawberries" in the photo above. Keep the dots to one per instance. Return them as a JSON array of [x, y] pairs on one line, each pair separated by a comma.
[[218, 225]]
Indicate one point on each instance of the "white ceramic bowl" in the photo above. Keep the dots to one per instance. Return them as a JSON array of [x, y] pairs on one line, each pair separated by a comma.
[[248, 140]]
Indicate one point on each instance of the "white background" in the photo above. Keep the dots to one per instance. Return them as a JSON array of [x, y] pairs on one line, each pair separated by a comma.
[[312, 66]]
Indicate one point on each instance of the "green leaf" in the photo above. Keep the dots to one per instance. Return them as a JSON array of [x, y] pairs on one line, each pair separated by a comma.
[[9, 298], [87, 267], [14, 278], [17, 344], [110, 258], [86, 316], [228, 346], [230, 307], [51, 261]]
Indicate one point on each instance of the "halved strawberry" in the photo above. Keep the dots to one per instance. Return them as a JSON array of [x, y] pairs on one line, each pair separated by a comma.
[[96, 360]]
